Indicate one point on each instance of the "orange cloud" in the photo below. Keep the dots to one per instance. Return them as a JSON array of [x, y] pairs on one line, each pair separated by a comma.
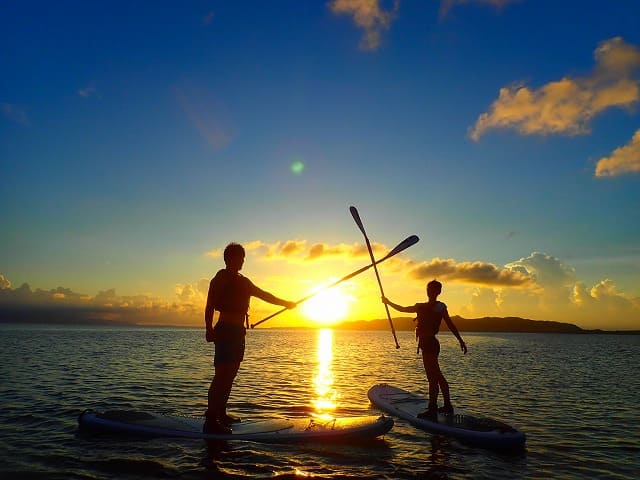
[[476, 273], [300, 251], [367, 15], [567, 106], [622, 160]]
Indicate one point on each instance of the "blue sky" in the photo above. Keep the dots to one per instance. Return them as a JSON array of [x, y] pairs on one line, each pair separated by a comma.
[[138, 138]]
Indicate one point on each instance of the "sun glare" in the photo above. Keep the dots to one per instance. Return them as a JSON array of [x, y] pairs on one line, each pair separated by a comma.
[[327, 307], [326, 395]]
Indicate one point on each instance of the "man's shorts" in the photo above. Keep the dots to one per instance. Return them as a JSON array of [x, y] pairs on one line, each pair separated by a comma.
[[229, 343]]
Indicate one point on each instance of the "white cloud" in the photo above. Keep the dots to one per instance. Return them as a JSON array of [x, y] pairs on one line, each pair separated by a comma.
[[568, 105], [622, 160], [367, 15], [545, 270], [86, 92]]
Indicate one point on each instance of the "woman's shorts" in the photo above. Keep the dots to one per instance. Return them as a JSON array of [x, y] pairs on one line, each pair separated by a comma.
[[429, 345], [229, 343]]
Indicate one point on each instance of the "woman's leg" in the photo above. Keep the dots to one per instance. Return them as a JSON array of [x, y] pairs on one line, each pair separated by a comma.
[[432, 370]]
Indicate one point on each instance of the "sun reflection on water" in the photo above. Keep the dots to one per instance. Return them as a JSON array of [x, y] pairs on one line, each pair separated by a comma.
[[326, 395]]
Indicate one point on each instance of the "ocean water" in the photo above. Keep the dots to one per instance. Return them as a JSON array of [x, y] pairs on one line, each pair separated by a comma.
[[575, 396]]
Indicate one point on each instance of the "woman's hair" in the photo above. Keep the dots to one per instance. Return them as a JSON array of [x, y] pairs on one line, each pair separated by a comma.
[[434, 284]]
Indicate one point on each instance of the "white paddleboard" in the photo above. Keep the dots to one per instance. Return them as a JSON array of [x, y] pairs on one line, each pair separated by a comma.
[[481, 431], [270, 430]]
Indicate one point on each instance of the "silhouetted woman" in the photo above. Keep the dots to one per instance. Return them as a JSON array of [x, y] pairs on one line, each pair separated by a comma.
[[430, 315]]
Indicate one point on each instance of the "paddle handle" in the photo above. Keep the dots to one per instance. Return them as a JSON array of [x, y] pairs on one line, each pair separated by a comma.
[[356, 218]]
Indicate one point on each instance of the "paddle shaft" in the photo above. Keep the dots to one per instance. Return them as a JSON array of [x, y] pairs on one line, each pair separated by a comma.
[[356, 217], [406, 243]]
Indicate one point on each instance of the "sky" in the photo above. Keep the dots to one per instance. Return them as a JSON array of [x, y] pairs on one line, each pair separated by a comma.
[[137, 139]]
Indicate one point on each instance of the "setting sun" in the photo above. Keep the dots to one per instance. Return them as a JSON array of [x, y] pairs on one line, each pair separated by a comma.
[[327, 307]]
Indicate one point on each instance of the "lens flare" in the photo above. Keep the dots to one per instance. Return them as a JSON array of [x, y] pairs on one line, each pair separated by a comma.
[[297, 167]]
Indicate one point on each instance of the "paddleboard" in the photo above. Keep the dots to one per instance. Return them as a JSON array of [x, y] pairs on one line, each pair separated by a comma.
[[274, 430], [481, 431]]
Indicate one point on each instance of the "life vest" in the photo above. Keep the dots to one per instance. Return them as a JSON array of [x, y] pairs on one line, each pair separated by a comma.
[[232, 292], [429, 318]]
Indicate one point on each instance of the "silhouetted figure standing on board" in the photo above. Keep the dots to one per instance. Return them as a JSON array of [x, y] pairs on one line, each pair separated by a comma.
[[429, 316], [229, 293]]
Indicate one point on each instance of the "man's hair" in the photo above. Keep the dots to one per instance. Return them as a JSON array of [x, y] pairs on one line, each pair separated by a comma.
[[435, 284], [233, 250]]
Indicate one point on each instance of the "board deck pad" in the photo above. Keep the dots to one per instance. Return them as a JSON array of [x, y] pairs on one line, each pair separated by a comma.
[[276, 429], [483, 431]]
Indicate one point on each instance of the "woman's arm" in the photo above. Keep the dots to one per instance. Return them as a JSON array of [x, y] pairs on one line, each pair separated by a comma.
[[455, 331], [400, 308]]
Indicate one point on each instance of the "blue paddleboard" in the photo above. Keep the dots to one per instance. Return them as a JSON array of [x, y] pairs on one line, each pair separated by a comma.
[[274, 430], [481, 431]]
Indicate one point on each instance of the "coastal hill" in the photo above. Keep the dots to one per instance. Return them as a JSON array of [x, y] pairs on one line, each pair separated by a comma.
[[484, 324]]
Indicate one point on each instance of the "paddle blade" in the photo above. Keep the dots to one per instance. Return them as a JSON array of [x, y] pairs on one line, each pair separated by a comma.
[[406, 243], [356, 218]]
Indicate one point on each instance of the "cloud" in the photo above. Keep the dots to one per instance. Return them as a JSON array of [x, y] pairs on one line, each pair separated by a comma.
[[87, 92], [301, 251], [15, 113], [475, 273], [446, 5], [604, 303], [544, 269], [557, 295], [622, 160], [604, 296], [367, 15], [64, 305], [567, 106], [205, 114], [187, 293]]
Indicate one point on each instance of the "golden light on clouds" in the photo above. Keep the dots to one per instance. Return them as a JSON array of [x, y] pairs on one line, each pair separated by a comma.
[[568, 105], [367, 15], [475, 273], [622, 160]]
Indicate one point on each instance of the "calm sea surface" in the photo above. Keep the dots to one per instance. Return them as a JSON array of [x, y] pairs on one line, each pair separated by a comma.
[[575, 396]]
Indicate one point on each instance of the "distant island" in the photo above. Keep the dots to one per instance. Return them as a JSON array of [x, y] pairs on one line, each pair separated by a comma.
[[484, 324]]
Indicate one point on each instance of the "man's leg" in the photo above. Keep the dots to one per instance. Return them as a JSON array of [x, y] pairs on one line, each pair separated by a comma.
[[219, 392], [231, 371]]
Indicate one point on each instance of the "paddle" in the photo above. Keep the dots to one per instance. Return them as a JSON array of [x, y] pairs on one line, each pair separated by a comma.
[[356, 217], [403, 245]]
